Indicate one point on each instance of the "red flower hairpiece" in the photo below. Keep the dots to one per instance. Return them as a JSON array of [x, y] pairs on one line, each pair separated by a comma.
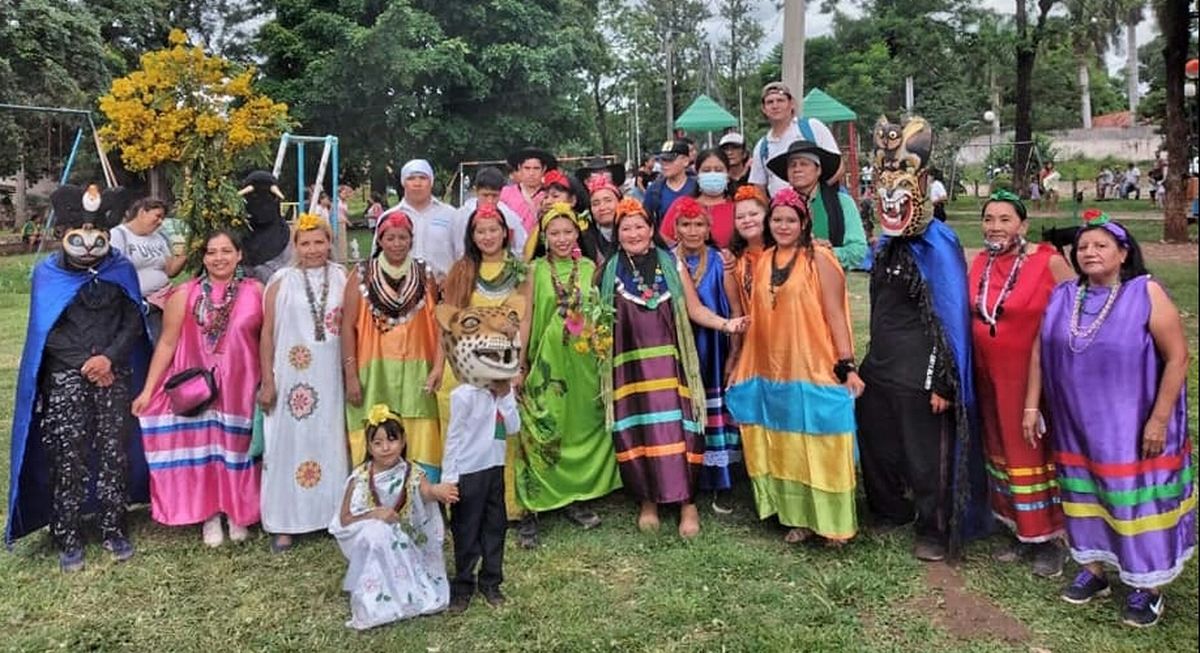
[[487, 211], [683, 208], [1094, 216], [556, 177]]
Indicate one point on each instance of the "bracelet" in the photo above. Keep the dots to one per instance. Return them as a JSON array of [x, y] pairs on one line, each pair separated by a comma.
[[843, 368], [1032, 410], [725, 326], [349, 360]]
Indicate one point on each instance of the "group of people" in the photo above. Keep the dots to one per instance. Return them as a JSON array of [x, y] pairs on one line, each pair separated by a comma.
[[554, 340]]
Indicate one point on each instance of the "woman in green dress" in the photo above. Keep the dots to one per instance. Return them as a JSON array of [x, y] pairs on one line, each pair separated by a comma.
[[566, 454]]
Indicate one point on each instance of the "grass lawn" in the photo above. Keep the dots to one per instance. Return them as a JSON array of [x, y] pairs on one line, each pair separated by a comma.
[[737, 587]]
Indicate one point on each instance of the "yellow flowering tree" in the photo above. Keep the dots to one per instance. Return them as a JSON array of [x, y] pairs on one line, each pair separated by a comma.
[[198, 116]]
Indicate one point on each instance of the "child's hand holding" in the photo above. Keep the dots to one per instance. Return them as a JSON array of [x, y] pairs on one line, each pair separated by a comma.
[[446, 493]]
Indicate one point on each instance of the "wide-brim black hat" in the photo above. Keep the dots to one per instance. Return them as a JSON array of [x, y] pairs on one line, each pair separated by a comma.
[[526, 153], [615, 170], [829, 160]]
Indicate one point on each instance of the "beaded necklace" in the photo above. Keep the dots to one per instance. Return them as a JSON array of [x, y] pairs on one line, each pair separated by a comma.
[[647, 293], [213, 319], [567, 297], [316, 307], [392, 301], [780, 275], [990, 317], [374, 497], [500, 286], [696, 273], [1087, 333]]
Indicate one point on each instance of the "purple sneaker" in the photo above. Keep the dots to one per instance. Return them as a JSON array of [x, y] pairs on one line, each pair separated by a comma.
[[1087, 586], [1143, 609]]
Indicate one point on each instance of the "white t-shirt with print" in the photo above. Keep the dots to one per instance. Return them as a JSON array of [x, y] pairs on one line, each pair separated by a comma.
[[147, 253]]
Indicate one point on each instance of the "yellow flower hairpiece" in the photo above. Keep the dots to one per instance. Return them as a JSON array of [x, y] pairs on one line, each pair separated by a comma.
[[308, 222], [379, 414], [562, 210]]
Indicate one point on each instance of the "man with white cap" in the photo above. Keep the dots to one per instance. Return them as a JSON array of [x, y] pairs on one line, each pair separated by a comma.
[[433, 220], [780, 109], [733, 145]]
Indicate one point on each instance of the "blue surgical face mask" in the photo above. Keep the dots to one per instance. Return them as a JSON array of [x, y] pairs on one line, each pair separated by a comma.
[[712, 183]]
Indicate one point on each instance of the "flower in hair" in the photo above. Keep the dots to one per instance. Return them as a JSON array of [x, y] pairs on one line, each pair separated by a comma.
[[379, 414], [308, 222], [1095, 217], [787, 196], [487, 211], [556, 178], [750, 192], [1005, 195], [602, 182], [397, 219], [562, 210], [629, 206]]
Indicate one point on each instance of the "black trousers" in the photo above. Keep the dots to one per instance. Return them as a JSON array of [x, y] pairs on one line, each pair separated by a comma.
[[478, 522], [905, 453], [78, 417]]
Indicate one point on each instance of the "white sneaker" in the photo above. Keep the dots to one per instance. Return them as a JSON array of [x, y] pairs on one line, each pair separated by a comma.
[[238, 533], [212, 531]]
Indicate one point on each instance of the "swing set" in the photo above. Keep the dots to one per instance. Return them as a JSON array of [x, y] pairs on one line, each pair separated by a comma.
[[329, 154], [110, 178]]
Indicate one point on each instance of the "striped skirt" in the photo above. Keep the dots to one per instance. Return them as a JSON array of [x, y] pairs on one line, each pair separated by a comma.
[[659, 442]]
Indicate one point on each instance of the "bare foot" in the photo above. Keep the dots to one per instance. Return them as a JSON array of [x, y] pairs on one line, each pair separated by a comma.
[[835, 543], [689, 521], [647, 521], [797, 535]]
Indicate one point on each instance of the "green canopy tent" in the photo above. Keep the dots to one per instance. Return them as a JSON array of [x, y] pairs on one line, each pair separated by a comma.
[[824, 107], [705, 115]]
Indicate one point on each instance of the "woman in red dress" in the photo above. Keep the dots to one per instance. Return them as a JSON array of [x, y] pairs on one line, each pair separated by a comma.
[[1010, 285]]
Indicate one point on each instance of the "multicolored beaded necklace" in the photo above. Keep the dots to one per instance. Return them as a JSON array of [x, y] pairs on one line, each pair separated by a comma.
[[501, 286], [213, 319], [567, 297], [648, 293], [392, 300]]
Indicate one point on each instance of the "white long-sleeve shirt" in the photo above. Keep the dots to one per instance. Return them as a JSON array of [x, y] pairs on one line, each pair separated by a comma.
[[475, 441]]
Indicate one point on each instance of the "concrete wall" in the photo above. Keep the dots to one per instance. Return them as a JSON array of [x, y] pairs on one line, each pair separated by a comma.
[[1139, 143]]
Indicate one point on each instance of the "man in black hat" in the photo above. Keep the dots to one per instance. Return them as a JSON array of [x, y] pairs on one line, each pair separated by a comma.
[[807, 166], [674, 183], [525, 197], [598, 166]]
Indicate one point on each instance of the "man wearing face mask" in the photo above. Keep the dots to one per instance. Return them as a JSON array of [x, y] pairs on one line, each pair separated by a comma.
[[85, 345], [674, 183]]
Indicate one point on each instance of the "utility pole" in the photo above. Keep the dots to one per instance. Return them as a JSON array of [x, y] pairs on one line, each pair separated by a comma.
[[793, 49], [637, 126], [670, 84]]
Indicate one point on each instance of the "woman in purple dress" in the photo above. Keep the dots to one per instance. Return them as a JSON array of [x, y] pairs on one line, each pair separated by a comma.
[[1112, 363]]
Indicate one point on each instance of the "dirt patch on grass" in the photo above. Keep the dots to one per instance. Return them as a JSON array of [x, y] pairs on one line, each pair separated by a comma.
[[962, 614]]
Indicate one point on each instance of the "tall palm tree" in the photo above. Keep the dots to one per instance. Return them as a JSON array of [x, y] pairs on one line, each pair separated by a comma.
[[1093, 24], [1132, 11]]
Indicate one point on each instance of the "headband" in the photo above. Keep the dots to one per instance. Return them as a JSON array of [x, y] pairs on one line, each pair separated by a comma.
[[556, 178], [787, 196], [488, 211], [750, 192], [379, 414], [561, 210], [602, 182], [628, 207], [1098, 218], [397, 218], [1009, 197]]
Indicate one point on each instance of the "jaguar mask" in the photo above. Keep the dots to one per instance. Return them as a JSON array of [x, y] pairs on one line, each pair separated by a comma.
[[482, 344], [901, 155], [86, 214]]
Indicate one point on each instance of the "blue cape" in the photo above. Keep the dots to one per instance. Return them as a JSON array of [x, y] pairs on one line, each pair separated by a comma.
[[53, 289], [939, 258]]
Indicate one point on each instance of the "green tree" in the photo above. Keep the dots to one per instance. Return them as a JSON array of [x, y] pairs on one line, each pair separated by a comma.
[[737, 50], [1029, 40], [51, 54]]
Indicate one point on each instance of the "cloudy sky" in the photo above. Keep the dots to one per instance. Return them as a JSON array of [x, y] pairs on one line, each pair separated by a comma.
[[818, 24]]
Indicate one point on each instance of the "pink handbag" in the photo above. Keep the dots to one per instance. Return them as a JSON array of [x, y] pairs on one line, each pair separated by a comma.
[[191, 391]]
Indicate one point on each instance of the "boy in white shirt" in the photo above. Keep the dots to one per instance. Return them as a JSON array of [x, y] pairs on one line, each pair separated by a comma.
[[483, 348]]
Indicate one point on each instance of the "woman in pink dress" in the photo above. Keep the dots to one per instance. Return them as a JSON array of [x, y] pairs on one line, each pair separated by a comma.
[[200, 466]]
